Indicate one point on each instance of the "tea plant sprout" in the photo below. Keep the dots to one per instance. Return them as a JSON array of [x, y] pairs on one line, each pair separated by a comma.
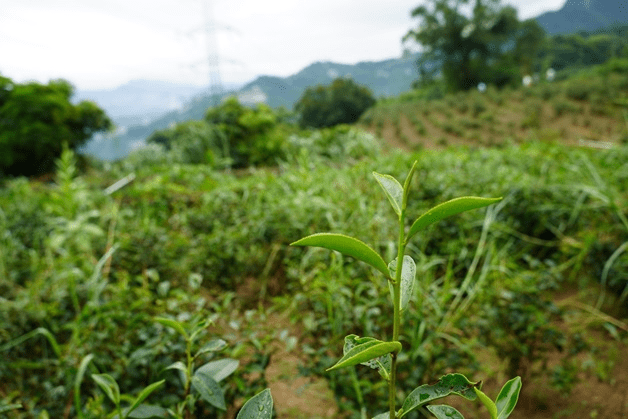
[[383, 355]]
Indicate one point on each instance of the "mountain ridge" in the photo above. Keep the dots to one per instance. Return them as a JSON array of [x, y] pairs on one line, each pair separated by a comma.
[[584, 15]]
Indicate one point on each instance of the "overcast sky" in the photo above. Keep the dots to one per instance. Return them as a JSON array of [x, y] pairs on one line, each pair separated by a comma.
[[104, 43]]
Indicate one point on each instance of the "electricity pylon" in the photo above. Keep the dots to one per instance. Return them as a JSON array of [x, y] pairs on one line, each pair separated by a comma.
[[213, 58]]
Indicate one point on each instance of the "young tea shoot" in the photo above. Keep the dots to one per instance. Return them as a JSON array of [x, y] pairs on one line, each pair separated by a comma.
[[382, 355]]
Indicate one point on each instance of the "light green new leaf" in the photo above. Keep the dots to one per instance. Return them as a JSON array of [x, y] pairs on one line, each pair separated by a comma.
[[366, 349], [219, 369], [408, 274], [384, 415], [209, 389], [393, 190], [144, 394], [447, 209], [492, 409], [346, 245], [109, 386], [259, 406], [442, 411], [508, 397], [173, 324], [406, 184], [448, 384]]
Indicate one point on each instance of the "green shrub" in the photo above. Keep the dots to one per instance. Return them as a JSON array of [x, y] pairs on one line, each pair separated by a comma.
[[341, 102]]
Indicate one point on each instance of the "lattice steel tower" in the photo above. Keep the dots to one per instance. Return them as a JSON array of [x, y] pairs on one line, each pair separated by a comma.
[[213, 59]]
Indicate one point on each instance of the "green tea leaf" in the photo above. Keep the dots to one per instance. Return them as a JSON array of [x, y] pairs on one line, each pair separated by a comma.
[[208, 389], [346, 245], [7, 407], [508, 397], [146, 411], [259, 406], [213, 345], [144, 394], [406, 184], [109, 386], [492, 409], [365, 350], [382, 364], [78, 379], [393, 190], [177, 365], [442, 411], [173, 324], [449, 384], [408, 274], [447, 209], [219, 369]]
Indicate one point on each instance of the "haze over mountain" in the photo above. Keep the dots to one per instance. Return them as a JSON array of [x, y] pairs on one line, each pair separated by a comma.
[[584, 15], [384, 78]]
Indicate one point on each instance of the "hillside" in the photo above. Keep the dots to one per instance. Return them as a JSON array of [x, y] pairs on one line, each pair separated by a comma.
[[584, 15], [385, 78], [584, 109]]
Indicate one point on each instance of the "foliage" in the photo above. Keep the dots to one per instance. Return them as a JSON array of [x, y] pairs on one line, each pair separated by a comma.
[[246, 137], [35, 121], [83, 272], [492, 46], [574, 51], [341, 102], [400, 274]]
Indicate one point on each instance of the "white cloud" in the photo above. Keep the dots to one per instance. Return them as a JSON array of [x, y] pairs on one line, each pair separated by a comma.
[[105, 43]]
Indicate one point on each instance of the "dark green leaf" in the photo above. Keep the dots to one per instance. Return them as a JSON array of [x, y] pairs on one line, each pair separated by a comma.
[[259, 406], [456, 384], [508, 397], [393, 190], [447, 209], [346, 245], [208, 389], [442, 411]]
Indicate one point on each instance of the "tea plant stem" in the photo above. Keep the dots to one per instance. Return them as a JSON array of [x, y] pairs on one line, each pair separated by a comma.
[[401, 247]]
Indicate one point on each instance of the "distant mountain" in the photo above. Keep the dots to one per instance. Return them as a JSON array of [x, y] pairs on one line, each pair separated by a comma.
[[384, 78], [584, 15], [141, 99]]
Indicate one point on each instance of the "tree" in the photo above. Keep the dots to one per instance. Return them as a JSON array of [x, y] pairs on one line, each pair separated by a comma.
[[341, 102], [491, 45], [36, 120], [247, 136]]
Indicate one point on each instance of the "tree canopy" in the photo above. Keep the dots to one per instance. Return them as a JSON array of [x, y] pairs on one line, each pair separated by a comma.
[[341, 102], [36, 120], [486, 44]]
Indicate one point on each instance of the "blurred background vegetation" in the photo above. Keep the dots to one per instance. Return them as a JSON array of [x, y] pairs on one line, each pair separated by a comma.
[[200, 227]]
